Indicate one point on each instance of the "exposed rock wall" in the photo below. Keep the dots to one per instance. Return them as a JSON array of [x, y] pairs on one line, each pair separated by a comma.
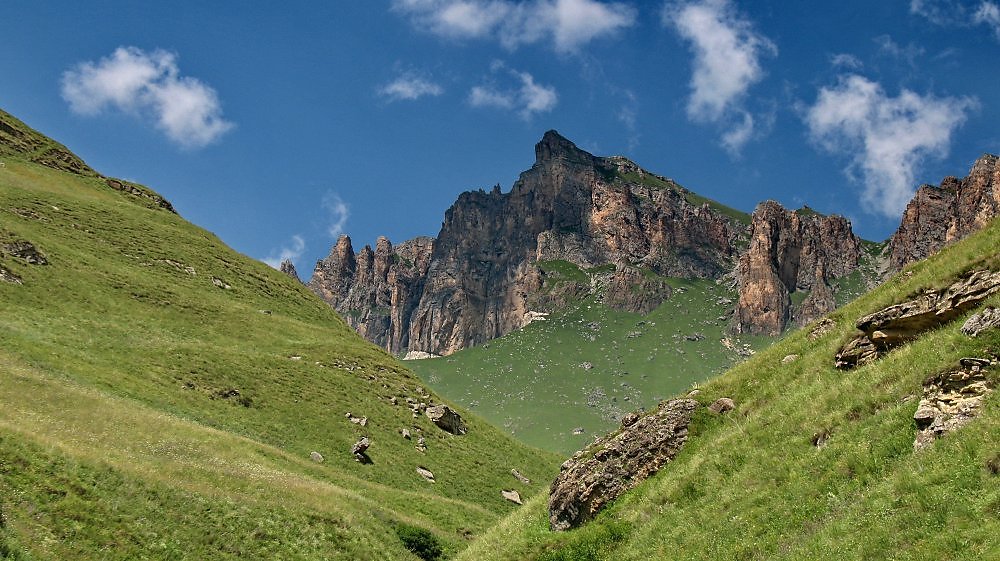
[[791, 251], [941, 215], [375, 291]]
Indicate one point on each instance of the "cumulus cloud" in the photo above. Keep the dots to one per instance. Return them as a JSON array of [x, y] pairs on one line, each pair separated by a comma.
[[727, 53], [567, 24], [338, 211], [527, 98], [149, 85], [886, 137], [410, 86], [292, 252]]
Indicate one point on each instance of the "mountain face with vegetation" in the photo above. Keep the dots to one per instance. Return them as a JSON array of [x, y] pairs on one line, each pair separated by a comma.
[[788, 456], [166, 397]]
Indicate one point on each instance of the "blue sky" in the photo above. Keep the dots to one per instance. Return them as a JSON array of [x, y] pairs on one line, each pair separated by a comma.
[[279, 125]]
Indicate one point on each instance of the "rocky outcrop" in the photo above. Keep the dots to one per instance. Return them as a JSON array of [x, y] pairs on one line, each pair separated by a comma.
[[950, 400], [17, 138], [25, 250], [901, 323], [288, 268], [633, 290], [791, 251], [375, 291], [937, 216], [987, 319], [610, 466]]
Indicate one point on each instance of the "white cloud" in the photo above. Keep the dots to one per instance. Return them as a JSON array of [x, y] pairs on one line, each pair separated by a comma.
[[149, 85], [953, 13], [410, 86], [844, 60], [940, 12], [727, 54], [988, 13], [890, 48], [527, 98], [887, 137], [568, 24], [339, 213], [291, 252]]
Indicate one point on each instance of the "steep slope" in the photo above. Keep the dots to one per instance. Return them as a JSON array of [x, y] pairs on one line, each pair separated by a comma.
[[167, 397], [482, 269], [815, 462]]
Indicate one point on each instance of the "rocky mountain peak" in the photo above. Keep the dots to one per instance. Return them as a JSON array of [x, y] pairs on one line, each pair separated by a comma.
[[288, 268], [554, 146]]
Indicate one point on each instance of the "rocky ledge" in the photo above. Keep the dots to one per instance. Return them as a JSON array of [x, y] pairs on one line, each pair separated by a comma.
[[951, 399], [893, 326]]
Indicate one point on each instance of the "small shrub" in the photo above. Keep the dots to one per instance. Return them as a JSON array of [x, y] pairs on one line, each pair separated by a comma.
[[421, 542]]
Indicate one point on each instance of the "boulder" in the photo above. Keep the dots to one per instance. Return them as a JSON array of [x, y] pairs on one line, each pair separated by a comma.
[[789, 358], [989, 318], [360, 449], [512, 496], [446, 418], [610, 466], [950, 400], [517, 475], [722, 405], [26, 250], [426, 474], [316, 456]]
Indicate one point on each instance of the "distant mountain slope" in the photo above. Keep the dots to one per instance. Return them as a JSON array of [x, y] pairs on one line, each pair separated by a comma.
[[815, 462], [164, 395]]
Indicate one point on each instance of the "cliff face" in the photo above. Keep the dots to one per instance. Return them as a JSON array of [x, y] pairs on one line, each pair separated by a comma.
[[375, 291], [791, 251], [474, 281], [940, 215], [485, 273], [570, 206]]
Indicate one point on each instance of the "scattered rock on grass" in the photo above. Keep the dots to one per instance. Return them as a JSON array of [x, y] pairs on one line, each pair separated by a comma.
[[517, 475], [316, 456], [512, 496], [789, 358], [722, 405], [426, 474], [447, 419]]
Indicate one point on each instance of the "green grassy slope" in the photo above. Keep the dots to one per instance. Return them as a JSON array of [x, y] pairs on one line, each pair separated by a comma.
[[151, 412], [534, 382], [751, 484]]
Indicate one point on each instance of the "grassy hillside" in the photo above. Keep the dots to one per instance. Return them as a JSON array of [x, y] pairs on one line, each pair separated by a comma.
[[587, 364], [752, 485], [162, 395]]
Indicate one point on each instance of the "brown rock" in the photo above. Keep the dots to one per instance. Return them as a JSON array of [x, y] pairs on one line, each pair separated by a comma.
[[791, 251], [599, 474], [901, 323], [937, 216], [722, 405]]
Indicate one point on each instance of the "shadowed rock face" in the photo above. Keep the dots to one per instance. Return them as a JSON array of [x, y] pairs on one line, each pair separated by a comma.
[[600, 473], [941, 215], [375, 291], [791, 251]]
